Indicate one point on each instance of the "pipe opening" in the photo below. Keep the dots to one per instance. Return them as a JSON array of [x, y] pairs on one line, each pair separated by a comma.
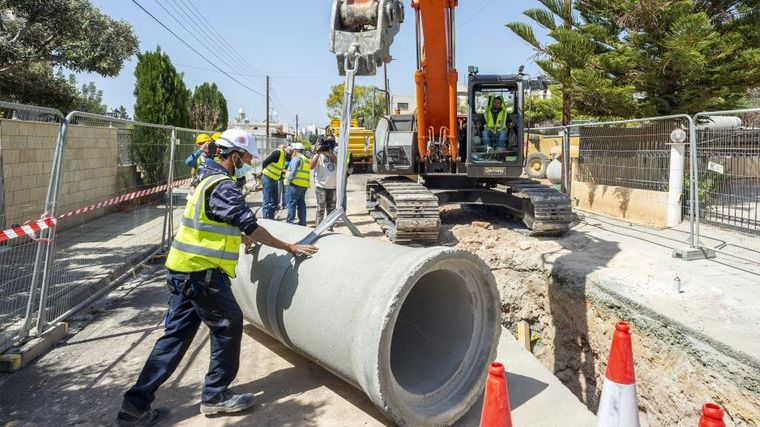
[[433, 332]]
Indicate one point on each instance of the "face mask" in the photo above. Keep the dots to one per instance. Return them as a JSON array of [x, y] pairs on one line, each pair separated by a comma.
[[241, 168], [242, 171], [288, 156]]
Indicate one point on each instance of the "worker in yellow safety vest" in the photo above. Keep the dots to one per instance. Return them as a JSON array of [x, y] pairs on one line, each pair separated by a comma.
[[194, 160], [495, 124], [298, 180], [273, 168], [201, 261]]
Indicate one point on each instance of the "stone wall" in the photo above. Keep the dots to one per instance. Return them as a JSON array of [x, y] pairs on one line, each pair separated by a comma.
[[90, 169]]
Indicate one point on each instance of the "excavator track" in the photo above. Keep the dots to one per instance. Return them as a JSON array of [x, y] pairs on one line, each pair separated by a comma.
[[545, 211], [405, 210]]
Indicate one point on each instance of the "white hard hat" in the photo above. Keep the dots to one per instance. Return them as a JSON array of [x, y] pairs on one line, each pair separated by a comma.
[[237, 140], [297, 146]]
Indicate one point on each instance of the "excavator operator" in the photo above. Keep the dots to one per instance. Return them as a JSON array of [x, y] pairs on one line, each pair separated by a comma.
[[495, 124]]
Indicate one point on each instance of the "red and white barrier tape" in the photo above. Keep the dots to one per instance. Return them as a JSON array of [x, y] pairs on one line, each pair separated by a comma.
[[28, 229], [35, 226]]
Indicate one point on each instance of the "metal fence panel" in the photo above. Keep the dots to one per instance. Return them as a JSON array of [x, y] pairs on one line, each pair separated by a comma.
[[635, 169], [28, 136], [728, 182], [112, 206]]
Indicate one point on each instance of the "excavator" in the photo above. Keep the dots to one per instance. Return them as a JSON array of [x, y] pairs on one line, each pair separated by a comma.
[[437, 156]]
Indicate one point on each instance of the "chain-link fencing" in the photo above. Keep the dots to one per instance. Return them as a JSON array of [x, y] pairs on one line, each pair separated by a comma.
[[28, 137]]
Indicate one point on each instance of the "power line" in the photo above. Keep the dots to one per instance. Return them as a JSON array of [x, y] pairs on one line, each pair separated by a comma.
[[471, 17], [192, 34], [195, 51], [217, 47], [195, 67], [213, 30], [299, 91]]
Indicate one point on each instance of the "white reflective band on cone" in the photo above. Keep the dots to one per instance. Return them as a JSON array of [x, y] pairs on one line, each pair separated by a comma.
[[618, 407]]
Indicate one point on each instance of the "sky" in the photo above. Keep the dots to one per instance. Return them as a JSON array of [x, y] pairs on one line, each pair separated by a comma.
[[288, 40]]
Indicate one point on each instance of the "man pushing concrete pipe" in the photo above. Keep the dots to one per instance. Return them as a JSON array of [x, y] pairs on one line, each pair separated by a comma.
[[414, 328]]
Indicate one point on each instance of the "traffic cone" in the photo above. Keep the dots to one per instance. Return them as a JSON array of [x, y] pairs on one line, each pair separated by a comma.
[[496, 412], [618, 406], [712, 416]]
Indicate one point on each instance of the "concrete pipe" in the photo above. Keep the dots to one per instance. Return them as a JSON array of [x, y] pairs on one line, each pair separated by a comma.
[[414, 328]]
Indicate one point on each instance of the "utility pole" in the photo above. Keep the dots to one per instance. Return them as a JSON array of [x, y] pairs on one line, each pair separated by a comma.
[[296, 127], [387, 91], [267, 138], [374, 95]]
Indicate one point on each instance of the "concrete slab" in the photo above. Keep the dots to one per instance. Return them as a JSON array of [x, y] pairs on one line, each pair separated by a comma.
[[81, 380]]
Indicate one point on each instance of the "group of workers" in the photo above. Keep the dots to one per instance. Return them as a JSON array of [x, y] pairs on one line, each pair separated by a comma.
[[286, 176], [202, 259]]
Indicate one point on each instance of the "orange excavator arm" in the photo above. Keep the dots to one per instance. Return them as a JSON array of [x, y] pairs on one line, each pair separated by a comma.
[[436, 75]]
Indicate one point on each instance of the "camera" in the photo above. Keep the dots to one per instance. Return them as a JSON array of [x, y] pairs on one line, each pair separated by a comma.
[[325, 144]]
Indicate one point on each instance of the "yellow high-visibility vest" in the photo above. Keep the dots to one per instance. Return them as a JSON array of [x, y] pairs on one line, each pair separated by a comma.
[[501, 119], [202, 244], [274, 169], [302, 177]]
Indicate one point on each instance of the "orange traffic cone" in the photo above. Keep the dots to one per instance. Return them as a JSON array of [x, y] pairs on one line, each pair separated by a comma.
[[618, 406], [712, 416], [496, 412]]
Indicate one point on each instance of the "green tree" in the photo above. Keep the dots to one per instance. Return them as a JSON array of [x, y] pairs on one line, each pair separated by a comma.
[[208, 108], [571, 59], [119, 113], [38, 37], [161, 98], [91, 99], [365, 100], [681, 56]]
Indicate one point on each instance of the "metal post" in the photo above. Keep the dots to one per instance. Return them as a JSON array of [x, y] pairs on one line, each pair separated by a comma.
[[267, 112], [566, 160], [50, 208], [694, 182], [675, 183], [169, 193], [44, 241], [345, 127]]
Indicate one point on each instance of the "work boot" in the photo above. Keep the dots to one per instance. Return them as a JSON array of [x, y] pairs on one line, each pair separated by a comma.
[[148, 418], [227, 402]]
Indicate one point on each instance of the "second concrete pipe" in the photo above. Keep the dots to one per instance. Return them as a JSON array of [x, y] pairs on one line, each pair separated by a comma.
[[414, 328]]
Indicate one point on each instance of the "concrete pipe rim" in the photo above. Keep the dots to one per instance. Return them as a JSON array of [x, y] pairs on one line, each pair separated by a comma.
[[456, 374]]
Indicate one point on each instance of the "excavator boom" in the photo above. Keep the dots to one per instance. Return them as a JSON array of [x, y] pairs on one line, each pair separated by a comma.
[[436, 76]]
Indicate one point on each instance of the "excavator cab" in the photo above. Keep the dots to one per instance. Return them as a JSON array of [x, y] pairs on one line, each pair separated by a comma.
[[491, 144]]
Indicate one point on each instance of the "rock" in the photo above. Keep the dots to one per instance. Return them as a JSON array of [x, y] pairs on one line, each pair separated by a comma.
[[524, 245], [480, 224]]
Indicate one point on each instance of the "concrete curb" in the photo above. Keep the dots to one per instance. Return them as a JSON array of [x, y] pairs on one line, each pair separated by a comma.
[[18, 357]]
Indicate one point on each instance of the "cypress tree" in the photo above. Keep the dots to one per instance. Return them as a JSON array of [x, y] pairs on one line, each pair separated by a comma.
[[161, 98], [208, 108]]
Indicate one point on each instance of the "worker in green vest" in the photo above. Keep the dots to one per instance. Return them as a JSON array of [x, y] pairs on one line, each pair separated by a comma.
[[495, 124], [273, 168], [298, 181], [194, 160], [201, 261]]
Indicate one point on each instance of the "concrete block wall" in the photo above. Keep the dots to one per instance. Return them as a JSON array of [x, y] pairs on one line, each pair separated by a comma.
[[27, 150], [90, 169]]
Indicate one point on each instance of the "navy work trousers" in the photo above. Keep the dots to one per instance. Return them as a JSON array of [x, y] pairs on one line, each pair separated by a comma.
[[270, 197], [215, 306]]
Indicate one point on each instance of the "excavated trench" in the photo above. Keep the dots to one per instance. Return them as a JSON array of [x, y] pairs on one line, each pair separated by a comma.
[[571, 326]]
